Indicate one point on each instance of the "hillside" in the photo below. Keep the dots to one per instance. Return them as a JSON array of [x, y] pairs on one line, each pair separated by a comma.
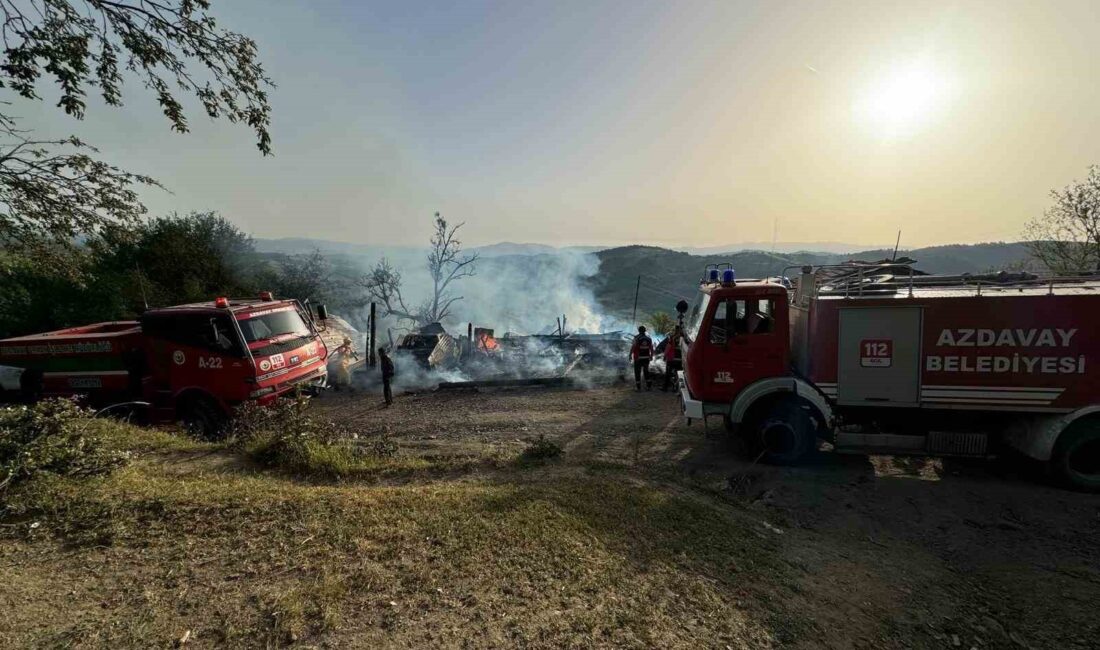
[[541, 277], [667, 274]]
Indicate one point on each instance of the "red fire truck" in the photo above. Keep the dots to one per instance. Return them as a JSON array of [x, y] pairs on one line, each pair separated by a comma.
[[190, 363], [878, 358]]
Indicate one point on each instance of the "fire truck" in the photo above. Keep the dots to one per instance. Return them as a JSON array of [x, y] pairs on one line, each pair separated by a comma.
[[880, 358], [192, 363]]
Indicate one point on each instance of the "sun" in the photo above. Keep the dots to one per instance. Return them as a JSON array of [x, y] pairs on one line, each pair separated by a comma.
[[903, 100]]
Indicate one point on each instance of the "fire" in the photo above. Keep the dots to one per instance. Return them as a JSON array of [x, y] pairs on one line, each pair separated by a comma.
[[487, 343]]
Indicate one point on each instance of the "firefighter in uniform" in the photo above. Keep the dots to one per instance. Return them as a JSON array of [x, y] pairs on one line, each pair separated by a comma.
[[386, 364], [673, 361], [343, 356], [641, 353]]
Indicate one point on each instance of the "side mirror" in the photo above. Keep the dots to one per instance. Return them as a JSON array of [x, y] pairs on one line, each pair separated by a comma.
[[681, 307]]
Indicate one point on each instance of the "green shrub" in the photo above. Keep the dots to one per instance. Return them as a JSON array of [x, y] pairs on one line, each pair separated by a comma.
[[289, 436], [54, 437], [541, 450]]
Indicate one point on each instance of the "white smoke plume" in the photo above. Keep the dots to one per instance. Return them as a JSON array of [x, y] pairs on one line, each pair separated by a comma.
[[522, 294], [512, 294]]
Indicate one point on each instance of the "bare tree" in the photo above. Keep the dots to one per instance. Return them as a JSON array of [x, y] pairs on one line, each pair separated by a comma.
[[446, 263], [51, 189], [383, 285], [1066, 239]]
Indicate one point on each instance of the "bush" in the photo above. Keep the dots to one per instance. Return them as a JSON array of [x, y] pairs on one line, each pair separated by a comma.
[[51, 437], [541, 450], [287, 435]]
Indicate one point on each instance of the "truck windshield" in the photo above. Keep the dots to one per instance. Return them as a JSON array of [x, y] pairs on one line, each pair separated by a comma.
[[695, 318], [278, 323]]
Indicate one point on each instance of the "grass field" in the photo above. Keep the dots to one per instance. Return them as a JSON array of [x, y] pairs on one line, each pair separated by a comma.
[[472, 531], [193, 541]]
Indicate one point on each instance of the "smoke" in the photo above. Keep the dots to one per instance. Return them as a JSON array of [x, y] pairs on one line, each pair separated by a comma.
[[521, 294], [514, 295]]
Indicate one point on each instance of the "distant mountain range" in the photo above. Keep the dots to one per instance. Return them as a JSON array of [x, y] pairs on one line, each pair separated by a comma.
[[778, 247], [667, 275]]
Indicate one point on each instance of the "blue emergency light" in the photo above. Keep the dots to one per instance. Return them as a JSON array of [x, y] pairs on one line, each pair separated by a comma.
[[727, 276], [712, 275]]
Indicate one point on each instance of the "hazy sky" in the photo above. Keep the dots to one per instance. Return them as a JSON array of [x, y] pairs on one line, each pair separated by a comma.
[[687, 123]]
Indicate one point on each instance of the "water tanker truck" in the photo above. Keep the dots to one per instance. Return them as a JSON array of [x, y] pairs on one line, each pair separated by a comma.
[[192, 363], [879, 358]]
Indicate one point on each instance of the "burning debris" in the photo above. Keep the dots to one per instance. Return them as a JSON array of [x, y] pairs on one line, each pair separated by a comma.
[[431, 357], [432, 348]]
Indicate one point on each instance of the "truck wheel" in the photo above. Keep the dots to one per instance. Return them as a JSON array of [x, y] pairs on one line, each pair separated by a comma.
[[784, 434], [30, 386], [202, 417], [1076, 459]]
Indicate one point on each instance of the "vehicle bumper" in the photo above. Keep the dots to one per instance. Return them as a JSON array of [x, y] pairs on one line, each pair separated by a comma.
[[311, 384], [692, 408]]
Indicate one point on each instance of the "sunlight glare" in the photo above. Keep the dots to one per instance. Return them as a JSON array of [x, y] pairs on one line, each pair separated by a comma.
[[902, 100]]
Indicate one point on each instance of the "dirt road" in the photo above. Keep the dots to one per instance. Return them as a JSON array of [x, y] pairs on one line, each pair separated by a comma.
[[890, 551]]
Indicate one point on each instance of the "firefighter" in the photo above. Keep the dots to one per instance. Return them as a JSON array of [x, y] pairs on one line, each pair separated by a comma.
[[343, 356], [386, 363], [673, 360], [641, 353]]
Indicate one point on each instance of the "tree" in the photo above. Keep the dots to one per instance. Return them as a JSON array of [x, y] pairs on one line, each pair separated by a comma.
[[52, 191], [383, 285], [303, 276], [179, 259], [1066, 239], [661, 323], [166, 261], [446, 263]]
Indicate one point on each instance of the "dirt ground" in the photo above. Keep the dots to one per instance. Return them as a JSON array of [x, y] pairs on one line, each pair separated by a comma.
[[889, 551]]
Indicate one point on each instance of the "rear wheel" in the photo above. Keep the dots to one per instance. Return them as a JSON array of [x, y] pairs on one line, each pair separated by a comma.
[[783, 434], [1076, 459], [202, 417], [30, 386]]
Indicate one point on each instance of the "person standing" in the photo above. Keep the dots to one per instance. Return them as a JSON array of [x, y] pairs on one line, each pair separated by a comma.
[[386, 363], [673, 359], [343, 356], [641, 353]]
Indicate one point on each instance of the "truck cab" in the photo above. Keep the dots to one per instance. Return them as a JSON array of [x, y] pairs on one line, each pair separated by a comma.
[[206, 358], [739, 336], [737, 365]]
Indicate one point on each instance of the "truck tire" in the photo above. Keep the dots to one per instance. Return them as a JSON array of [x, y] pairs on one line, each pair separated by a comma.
[[202, 417], [1076, 458], [30, 386], [783, 434]]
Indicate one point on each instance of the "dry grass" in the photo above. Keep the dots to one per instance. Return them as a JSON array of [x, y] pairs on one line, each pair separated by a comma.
[[192, 540]]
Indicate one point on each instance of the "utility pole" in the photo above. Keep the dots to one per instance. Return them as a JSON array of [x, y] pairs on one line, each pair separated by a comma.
[[371, 354], [637, 288]]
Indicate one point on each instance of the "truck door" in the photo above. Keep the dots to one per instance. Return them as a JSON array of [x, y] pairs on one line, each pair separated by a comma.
[[196, 350], [879, 356], [747, 341]]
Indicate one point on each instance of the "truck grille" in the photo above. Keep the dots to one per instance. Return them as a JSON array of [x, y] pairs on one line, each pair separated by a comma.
[[962, 444], [285, 346]]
